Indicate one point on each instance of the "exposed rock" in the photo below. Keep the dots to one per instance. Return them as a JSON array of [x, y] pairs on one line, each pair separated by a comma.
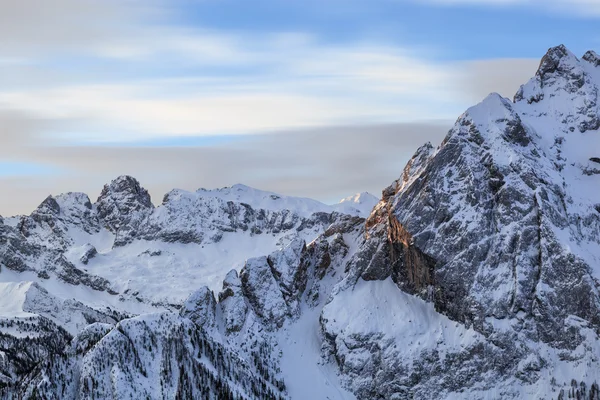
[[232, 303], [201, 307], [591, 57], [122, 206], [263, 293], [89, 253], [550, 63]]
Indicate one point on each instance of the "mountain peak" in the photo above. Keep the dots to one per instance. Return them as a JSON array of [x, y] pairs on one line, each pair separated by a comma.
[[592, 57], [121, 201], [564, 86], [128, 186], [70, 202], [357, 198], [242, 187], [360, 203], [553, 59], [49, 206]]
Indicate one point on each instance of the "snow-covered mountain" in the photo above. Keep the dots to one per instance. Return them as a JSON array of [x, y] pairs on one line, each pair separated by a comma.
[[475, 276], [359, 204]]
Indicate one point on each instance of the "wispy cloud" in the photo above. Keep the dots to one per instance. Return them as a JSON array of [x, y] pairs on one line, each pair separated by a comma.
[[308, 85], [584, 8], [41, 28], [161, 79], [304, 115], [324, 163]]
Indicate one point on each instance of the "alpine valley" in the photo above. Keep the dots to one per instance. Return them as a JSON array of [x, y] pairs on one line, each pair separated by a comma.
[[475, 276]]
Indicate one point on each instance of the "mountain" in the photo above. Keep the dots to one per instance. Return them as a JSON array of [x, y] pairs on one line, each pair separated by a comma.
[[475, 276], [359, 204]]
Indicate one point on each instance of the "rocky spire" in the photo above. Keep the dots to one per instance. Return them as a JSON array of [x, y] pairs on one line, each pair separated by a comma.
[[122, 205], [552, 60], [592, 57]]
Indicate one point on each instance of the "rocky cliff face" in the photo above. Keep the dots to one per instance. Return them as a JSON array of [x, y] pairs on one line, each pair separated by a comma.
[[504, 205], [475, 276], [502, 221]]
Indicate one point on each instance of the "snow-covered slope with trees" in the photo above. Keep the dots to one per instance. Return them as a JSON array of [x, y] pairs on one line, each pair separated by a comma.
[[475, 276]]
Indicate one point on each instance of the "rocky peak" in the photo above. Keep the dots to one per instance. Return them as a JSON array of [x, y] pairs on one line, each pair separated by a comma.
[[417, 161], [556, 58], [562, 73], [48, 206], [74, 200], [122, 205], [495, 119], [127, 191], [200, 307], [51, 221], [262, 290], [412, 169], [70, 206], [232, 302], [564, 90], [496, 191], [592, 57]]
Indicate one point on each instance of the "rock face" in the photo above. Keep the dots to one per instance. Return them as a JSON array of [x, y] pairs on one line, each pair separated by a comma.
[[201, 307], [233, 303], [495, 202], [390, 252], [476, 275], [122, 206], [504, 234]]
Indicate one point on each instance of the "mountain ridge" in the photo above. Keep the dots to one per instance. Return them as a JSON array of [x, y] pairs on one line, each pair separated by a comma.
[[238, 192], [476, 275]]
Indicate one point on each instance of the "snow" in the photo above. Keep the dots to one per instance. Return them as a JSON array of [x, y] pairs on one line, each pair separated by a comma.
[[379, 307], [163, 273], [64, 291], [306, 375], [179, 269], [12, 299], [259, 199], [359, 204]]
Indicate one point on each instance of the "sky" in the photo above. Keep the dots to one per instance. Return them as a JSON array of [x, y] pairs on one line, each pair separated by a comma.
[[313, 98]]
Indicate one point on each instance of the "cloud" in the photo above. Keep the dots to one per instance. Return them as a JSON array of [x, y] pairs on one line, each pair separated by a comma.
[[582, 8], [38, 26], [308, 118], [325, 163], [132, 116], [322, 162], [17, 131], [320, 87], [166, 80], [307, 85], [504, 76]]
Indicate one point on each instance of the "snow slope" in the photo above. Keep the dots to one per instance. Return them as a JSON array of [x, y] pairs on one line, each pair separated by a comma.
[[13, 296], [359, 204]]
